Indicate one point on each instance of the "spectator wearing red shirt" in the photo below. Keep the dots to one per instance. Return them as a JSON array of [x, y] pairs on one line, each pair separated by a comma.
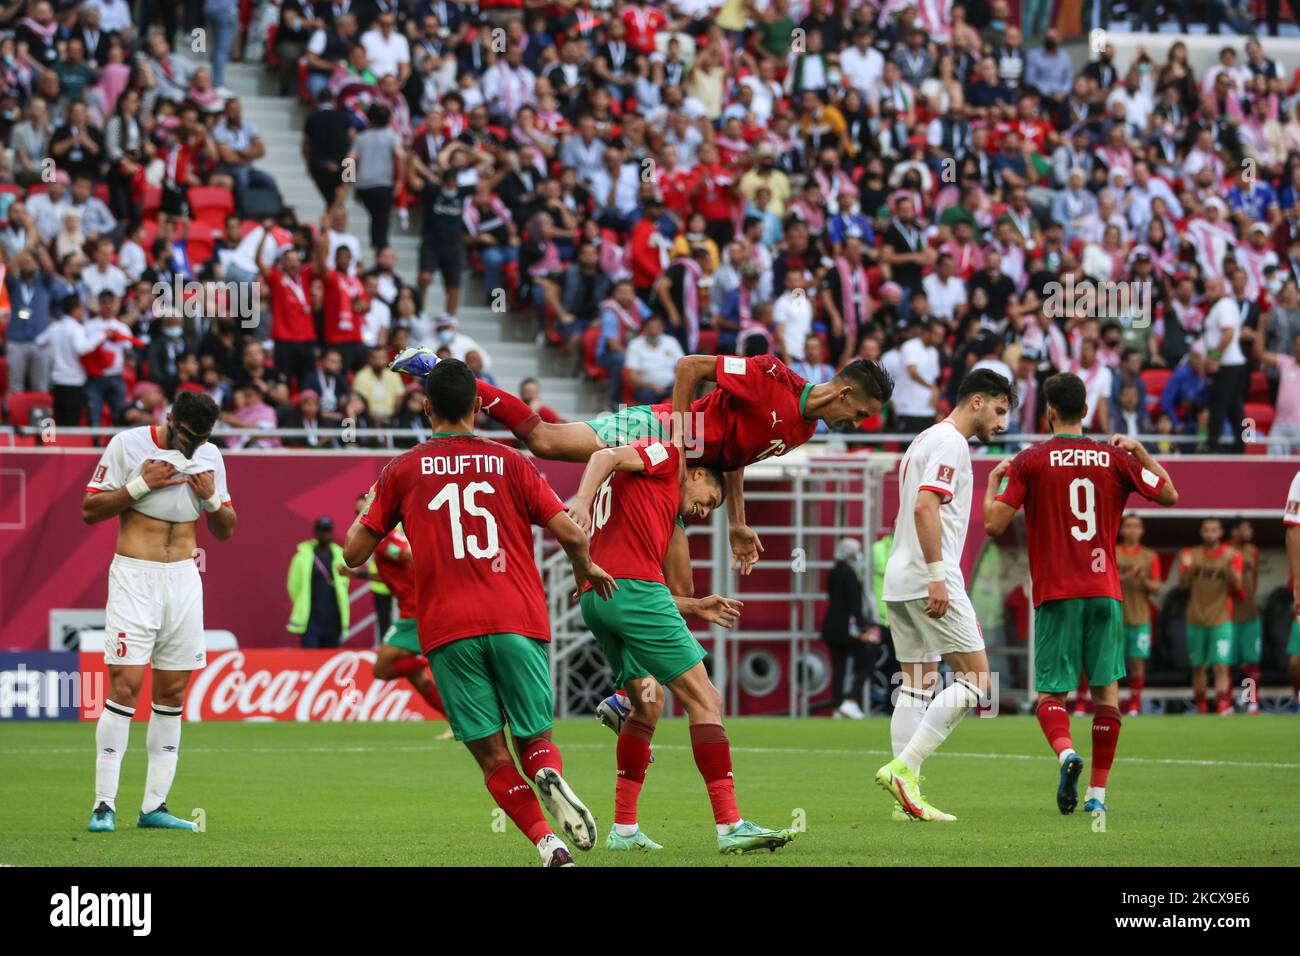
[[339, 291], [713, 195], [293, 327]]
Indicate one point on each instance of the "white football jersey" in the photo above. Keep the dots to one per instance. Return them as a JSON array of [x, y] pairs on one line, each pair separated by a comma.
[[1291, 514], [124, 459], [938, 460]]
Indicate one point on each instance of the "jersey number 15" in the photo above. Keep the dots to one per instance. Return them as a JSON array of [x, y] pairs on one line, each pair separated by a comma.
[[452, 496]]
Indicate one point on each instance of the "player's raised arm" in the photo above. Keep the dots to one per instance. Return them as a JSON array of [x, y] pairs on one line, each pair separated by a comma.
[[692, 370], [1167, 496], [574, 542], [600, 466], [997, 514]]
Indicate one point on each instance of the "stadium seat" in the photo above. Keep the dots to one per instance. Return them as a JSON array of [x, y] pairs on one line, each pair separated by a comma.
[[200, 244], [211, 205], [590, 339], [21, 405], [1155, 380], [1258, 387], [152, 202], [1262, 414], [11, 190]]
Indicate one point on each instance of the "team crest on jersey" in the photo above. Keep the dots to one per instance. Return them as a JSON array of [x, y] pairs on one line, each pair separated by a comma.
[[945, 473]]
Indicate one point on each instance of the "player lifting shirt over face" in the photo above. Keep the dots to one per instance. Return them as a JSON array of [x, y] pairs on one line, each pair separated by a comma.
[[156, 480]]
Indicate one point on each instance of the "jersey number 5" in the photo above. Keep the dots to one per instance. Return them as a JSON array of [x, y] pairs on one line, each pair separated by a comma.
[[1083, 505], [451, 496]]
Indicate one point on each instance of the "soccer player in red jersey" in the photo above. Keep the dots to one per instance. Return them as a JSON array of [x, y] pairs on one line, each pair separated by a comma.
[[1073, 490], [468, 506], [399, 655], [631, 499]]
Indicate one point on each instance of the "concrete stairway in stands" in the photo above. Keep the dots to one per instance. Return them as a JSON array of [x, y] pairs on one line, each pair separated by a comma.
[[510, 339]]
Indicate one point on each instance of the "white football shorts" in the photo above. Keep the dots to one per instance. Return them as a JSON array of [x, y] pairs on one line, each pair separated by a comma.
[[155, 614], [920, 638]]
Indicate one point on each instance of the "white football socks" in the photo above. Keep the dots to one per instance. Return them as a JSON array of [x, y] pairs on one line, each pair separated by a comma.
[[909, 707], [945, 712], [1064, 755], [112, 734], [164, 748]]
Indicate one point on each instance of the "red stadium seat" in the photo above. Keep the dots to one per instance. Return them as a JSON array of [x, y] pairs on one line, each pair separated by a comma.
[[1262, 414], [1258, 387], [1155, 380], [21, 405], [200, 244], [11, 189], [211, 205], [152, 202], [590, 339]]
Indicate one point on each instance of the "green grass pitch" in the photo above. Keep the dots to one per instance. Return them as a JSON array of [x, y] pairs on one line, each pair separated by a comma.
[[1184, 791]]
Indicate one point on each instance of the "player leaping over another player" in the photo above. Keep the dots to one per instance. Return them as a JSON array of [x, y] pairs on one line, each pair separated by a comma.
[[631, 498], [930, 615], [1073, 490], [468, 506], [759, 409]]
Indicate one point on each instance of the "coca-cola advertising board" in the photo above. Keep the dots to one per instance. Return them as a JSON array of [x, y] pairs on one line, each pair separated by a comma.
[[296, 685]]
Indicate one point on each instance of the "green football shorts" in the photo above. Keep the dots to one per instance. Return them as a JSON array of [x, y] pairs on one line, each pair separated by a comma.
[[627, 425], [1293, 645], [494, 679], [641, 632], [1076, 636], [1137, 642], [1209, 645], [403, 635], [1247, 641]]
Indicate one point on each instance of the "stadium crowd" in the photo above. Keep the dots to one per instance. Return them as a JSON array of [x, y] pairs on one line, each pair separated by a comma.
[[933, 185]]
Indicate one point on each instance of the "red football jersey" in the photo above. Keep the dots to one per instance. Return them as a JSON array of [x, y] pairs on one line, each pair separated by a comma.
[[397, 571], [635, 512], [1073, 490], [755, 412], [291, 318], [467, 506]]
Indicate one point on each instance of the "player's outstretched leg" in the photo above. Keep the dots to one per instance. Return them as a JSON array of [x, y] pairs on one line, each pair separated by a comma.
[[712, 751], [1054, 719], [633, 755], [910, 702], [112, 733], [512, 794], [901, 776], [1105, 738], [542, 762]]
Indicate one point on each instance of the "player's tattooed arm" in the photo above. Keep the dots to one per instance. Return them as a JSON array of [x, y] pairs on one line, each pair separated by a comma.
[[574, 542], [600, 466], [99, 506], [1168, 496], [997, 514]]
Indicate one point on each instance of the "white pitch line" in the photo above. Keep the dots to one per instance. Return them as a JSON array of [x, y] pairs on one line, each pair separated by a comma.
[[406, 748]]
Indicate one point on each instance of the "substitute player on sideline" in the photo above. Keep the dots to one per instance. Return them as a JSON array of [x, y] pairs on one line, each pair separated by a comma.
[[1073, 490], [399, 651], [637, 498], [156, 480], [1247, 630], [1212, 575], [468, 506], [931, 617], [1139, 580]]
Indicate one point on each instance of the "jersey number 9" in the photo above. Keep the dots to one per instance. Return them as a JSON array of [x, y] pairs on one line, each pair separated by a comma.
[[1083, 505]]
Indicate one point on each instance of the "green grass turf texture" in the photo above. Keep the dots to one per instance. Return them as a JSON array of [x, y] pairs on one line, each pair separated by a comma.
[[1222, 791]]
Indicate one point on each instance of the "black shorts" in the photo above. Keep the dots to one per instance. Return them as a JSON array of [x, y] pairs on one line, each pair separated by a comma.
[[449, 260]]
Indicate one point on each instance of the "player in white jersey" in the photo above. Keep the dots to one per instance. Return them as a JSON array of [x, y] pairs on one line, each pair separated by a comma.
[[1291, 518], [156, 480], [930, 616]]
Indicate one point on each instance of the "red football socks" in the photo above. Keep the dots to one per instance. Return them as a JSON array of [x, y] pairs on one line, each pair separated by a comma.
[[633, 758], [1105, 737], [507, 409], [713, 758], [408, 665], [1055, 721], [515, 796], [541, 755]]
